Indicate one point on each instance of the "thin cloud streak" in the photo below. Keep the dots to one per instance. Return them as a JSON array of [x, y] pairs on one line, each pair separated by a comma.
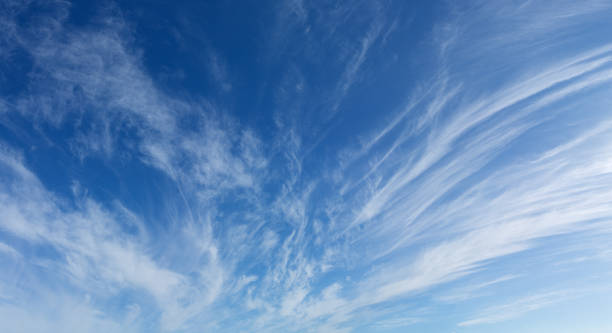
[[518, 307]]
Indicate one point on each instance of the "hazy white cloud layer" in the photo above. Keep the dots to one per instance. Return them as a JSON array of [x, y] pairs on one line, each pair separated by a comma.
[[384, 171]]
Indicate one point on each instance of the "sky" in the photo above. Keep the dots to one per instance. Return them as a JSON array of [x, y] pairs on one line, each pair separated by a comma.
[[305, 166]]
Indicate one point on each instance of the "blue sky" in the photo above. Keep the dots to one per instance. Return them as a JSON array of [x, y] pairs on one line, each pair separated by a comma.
[[305, 166]]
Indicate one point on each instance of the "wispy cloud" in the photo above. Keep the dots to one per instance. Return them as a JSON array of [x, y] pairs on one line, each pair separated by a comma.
[[396, 323], [475, 290], [95, 255], [9, 250], [293, 227], [349, 76], [518, 307]]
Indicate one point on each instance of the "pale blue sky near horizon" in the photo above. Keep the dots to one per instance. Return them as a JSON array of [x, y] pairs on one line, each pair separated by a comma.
[[305, 166]]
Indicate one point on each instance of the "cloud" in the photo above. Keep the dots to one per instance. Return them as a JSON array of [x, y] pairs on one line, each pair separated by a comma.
[[349, 76], [68, 315], [471, 291], [504, 214], [397, 323], [518, 307], [95, 255], [218, 70], [469, 117], [9, 250], [262, 229]]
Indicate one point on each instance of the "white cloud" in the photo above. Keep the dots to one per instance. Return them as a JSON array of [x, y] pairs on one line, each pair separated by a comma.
[[292, 300], [270, 239], [397, 322], [467, 292], [444, 140], [96, 255], [58, 314], [426, 206], [518, 307], [9, 250]]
